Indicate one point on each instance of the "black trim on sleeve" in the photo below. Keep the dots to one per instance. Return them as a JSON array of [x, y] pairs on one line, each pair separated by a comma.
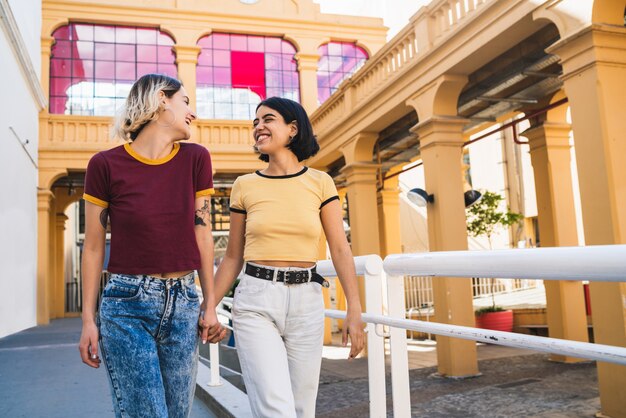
[[330, 199], [237, 210]]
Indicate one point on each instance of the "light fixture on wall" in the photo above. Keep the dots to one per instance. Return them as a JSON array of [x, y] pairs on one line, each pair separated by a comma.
[[471, 197], [421, 198]]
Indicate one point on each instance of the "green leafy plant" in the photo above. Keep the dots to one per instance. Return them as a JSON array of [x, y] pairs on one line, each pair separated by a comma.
[[484, 218]]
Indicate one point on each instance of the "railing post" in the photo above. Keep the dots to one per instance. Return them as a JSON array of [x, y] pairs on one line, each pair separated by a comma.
[[398, 349], [214, 355], [374, 276]]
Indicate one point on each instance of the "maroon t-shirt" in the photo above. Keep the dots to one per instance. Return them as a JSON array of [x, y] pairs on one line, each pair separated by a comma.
[[151, 206]]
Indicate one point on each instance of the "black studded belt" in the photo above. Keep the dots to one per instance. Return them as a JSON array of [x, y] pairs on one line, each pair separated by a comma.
[[286, 276]]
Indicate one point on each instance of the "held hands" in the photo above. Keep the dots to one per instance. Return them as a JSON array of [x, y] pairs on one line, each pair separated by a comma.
[[209, 328], [353, 327], [88, 345]]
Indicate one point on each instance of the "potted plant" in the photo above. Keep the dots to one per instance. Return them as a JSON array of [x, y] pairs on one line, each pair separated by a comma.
[[483, 219]]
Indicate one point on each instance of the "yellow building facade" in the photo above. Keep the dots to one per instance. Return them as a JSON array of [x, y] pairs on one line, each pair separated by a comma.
[[457, 68]]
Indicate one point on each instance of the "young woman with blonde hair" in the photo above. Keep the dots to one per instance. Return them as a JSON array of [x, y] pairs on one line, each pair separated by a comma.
[[155, 191]]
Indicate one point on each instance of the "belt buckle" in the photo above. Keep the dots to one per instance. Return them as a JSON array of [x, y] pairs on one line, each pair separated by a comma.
[[296, 277]]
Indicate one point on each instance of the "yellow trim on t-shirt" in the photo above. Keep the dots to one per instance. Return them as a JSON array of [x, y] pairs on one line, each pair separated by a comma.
[[151, 161], [95, 200], [205, 192]]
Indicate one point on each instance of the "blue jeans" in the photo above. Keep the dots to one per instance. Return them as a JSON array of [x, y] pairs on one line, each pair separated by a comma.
[[149, 343]]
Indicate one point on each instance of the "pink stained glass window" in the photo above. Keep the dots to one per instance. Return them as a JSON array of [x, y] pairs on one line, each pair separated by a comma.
[[235, 72], [338, 61], [93, 66]]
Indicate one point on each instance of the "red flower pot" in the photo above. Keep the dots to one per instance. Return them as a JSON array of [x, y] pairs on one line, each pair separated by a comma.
[[497, 321]]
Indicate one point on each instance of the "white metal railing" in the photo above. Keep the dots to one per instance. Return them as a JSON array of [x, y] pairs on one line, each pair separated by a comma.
[[593, 263]]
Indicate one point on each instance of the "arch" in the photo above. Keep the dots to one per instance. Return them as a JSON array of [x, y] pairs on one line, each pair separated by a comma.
[[439, 98], [49, 27], [608, 12], [557, 114], [47, 177]]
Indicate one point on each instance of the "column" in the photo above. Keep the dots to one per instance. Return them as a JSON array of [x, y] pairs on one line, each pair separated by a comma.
[[58, 305], [187, 60], [44, 202], [307, 69], [441, 143], [551, 159], [389, 216], [361, 188], [594, 77]]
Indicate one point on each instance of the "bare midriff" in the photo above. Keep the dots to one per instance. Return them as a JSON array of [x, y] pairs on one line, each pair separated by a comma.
[[172, 275], [279, 263]]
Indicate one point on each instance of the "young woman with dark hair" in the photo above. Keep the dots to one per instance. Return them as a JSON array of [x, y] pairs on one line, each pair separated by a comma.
[[155, 191], [277, 216]]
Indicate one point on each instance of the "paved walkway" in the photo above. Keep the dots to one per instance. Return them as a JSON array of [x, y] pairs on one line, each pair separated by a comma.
[[41, 375], [514, 383]]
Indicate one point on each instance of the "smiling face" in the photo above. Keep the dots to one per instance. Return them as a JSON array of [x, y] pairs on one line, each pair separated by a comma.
[[271, 132], [177, 114]]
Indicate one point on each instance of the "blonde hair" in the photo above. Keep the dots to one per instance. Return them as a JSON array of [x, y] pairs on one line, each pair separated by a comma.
[[142, 104]]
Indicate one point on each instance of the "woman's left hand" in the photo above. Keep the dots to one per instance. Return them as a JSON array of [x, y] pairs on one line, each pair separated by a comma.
[[353, 327], [210, 328]]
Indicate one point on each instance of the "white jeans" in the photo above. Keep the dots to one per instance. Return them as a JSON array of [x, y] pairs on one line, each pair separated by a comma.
[[279, 333]]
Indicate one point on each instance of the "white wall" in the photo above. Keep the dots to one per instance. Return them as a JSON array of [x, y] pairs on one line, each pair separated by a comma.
[[18, 176]]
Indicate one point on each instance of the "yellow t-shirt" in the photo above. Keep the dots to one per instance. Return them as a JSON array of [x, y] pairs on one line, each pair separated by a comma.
[[282, 213]]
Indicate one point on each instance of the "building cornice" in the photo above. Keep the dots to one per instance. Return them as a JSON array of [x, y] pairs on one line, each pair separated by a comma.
[[7, 20]]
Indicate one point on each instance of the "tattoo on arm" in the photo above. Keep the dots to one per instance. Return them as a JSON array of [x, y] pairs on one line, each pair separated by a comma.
[[202, 214], [104, 218]]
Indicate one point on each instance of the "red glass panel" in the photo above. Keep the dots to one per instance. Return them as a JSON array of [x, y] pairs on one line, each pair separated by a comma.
[[256, 44], [206, 42], [82, 69], [60, 67], [146, 68], [105, 51], [238, 43], [205, 76], [59, 86], [62, 33], [288, 48], [105, 70], [221, 58], [221, 41], [125, 71], [273, 78], [146, 36], [62, 49], [273, 44], [272, 61], [248, 71], [166, 55], [289, 63], [84, 50], [125, 52], [125, 35], [205, 58], [334, 49], [82, 32], [221, 76], [57, 105], [104, 33], [348, 50], [146, 53], [323, 50], [361, 53], [164, 39], [167, 69]]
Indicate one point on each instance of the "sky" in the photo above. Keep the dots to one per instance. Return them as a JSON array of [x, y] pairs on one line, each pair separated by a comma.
[[395, 13]]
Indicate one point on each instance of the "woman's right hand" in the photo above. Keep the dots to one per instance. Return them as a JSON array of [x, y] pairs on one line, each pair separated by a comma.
[[88, 345]]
